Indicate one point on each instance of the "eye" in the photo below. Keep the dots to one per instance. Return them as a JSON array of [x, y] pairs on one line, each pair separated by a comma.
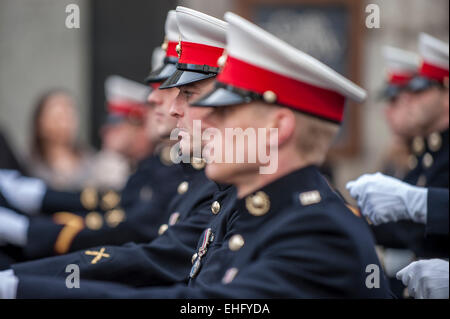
[[187, 94]]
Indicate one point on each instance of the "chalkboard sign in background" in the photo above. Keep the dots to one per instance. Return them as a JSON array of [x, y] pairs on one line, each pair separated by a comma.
[[329, 30]]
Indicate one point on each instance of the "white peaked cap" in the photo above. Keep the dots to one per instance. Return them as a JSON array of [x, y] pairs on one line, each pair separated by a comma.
[[400, 61], [434, 51], [158, 58], [258, 66], [202, 42], [250, 43], [120, 88], [163, 68], [171, 27], [201, 28]]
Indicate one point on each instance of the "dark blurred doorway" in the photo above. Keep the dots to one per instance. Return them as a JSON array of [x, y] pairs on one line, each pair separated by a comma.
[[124, 34]]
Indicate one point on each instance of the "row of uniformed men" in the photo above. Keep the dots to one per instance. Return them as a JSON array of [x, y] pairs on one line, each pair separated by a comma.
[[274, 240]]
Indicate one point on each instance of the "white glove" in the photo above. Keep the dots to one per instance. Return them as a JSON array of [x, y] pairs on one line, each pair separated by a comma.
[[385, 199], [426, 279], [13, 227], [8, 284], [24, 193]]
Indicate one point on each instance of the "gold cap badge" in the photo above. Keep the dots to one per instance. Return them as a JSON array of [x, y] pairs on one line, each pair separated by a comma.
[[178, 48]]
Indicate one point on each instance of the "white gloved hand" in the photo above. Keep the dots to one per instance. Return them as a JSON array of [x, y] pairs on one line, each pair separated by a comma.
[[13, 227], [426, 279], [23, 193], [8, 284], [385, 199]]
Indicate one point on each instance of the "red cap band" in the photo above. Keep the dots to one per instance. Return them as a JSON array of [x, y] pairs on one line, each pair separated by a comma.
[[171, 50], [433, 72], [199, 54], [126, 108], [290, 92], [400, 78]]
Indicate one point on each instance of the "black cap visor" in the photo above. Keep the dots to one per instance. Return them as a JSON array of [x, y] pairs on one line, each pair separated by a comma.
[[226, 95], [420, 83], [391, 91], [162, 73], [113, 119], [183, 77]]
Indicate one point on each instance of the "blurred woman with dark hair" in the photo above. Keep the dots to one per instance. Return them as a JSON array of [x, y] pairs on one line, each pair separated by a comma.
[[56, 157]]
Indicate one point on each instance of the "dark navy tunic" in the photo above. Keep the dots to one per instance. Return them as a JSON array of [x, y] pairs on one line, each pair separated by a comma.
[[294, 238]]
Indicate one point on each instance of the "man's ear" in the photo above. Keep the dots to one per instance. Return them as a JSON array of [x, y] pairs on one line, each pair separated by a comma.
[[285, 121]]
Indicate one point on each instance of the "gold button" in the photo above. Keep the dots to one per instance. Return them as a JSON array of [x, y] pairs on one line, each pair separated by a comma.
[[412, 162], [89, 198], [236, 242], [269, 97], [435, 142], [94, 221], [110, 200], [418, 145], [194, 257], [173, 219], [198, 163], [230, 275], [183, 188], [427, 160], [258, 204], [115, 217], [222, 60], [162, 229], [215, 207]]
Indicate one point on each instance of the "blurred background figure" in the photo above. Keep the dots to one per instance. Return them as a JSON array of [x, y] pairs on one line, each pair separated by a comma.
[[417, 113], [124, 136], [56, 156], [401, 67]]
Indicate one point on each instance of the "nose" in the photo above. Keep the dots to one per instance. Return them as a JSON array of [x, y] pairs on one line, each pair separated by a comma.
[[176, 109]]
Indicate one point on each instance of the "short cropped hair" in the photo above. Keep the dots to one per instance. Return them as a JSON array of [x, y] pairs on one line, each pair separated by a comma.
[[314, 137]]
